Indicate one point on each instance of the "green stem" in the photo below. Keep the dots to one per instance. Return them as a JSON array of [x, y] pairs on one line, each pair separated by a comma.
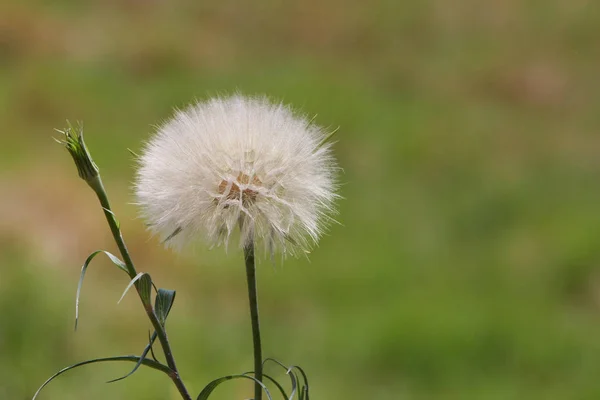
[[252, 296], [98, 187], [96, 184]]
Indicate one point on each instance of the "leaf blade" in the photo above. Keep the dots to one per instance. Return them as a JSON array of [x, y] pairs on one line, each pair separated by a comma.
[[140, 361], [131, 283], [149, 363], [208, 389], [163, 303], [115, 260], [288, 371], [279, 386]]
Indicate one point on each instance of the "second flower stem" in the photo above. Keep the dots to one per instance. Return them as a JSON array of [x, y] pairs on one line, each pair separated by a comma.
[[253, 298], [96, 185]]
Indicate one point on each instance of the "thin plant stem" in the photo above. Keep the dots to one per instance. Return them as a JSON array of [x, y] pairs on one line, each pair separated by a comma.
[[253, 298], [96, 185]]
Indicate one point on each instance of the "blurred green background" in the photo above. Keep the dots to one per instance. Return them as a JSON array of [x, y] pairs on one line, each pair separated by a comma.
[[467, 262]]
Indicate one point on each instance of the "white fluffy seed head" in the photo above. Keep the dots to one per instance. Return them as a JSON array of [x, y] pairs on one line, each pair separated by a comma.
[[238, 161]]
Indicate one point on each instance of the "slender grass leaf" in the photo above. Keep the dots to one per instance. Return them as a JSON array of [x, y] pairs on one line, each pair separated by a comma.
[[151, 341], [140, 361], [113, 216], [304, 390], [295, 380], [279, 386], [208, 389], [288, 371], [163, 303], [131, 283], [145, 289], [115, 260], [149, 363], [281, 389]]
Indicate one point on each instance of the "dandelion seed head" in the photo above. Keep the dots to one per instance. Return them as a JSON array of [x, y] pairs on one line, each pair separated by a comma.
[[238, 162]]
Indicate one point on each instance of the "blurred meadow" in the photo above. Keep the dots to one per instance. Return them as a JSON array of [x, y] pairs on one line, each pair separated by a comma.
[[467, 261]]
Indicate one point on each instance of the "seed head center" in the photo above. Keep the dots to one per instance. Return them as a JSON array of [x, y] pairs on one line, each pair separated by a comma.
[[248, 195]]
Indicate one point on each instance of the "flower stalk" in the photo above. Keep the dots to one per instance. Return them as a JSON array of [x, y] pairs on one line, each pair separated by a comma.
[[96, 185], [253, 300], [89, 172]]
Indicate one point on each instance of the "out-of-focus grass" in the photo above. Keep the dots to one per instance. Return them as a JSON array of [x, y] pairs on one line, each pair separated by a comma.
[[466, 265]]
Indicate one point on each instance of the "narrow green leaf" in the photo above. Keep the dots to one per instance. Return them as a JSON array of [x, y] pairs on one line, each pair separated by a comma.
[[113, 216], [149, 363], [304, 390], [117, 262], [140, 361], [145, 288], [288, 371], [150, 340], [279, 386], [283, 393], [120, 264], [208, 389], [163, 303], [131, 283], [295, 380]]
